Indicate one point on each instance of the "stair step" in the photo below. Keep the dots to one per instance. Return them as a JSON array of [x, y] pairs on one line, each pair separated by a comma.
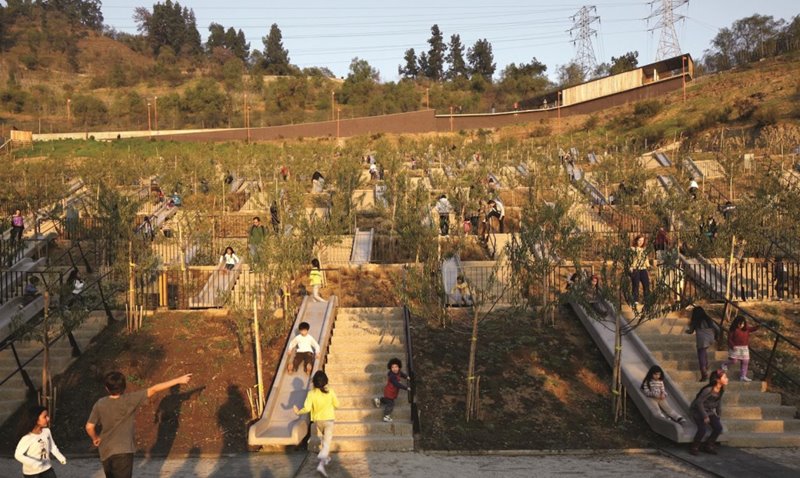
[[343, 368], [761, 426], [770, 412], [732, 387], [366, 389], [400, 414], [366, 443], [358, 379], [713, 355], [364, 401], [760, 440], [363, 357], [354, 333], [376, 427]]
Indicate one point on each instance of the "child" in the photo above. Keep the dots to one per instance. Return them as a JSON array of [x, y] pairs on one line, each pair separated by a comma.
[[706, 411], [653, 387], [392, 388], [230, 259], [30, 292], [307, 346], [34, 448], [315, 280], [114, 415], [461, 295], [739, 346], [321, 402]]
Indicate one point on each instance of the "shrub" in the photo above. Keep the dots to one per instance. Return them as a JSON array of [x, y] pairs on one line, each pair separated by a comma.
[[591, 122], [765, 115], [647, 109]]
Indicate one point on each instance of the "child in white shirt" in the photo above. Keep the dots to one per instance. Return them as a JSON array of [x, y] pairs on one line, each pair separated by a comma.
[[306, 346], [34, 448]]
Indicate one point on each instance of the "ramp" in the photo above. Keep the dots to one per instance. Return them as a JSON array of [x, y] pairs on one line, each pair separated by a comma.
[[592, 158], [278, 426], [362, 247], [692, 168], [636, 361], [216, 288]]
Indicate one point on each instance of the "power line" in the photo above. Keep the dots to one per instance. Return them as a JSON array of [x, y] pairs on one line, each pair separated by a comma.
[[582, 33], [668, 45]]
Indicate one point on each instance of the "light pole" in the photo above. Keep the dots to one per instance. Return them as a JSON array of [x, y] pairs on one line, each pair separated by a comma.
[[155, 110], [338, 113], [333, 104], [69, 119], [683, 76], [149, 125], [558, 103], [428, 98], [451, 119]]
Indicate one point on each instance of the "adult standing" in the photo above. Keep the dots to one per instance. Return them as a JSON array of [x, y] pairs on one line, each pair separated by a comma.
[[443, 207], [321, 403], [17, 226], [706, 332], [780, 276], [114, 414], [707, 413], [496, 210], [639, 275], [255, 237], [274, 217]]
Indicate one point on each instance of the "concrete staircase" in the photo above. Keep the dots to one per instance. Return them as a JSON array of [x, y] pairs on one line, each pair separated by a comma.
[[14, 391], [363, 340], [752, 416]]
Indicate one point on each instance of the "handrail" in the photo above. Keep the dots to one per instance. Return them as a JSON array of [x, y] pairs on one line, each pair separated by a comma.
[[410, 367], [700, 284], [11, 339]]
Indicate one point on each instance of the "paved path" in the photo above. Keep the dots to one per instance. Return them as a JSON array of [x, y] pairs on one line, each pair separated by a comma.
[[746, 462], [645, 464]]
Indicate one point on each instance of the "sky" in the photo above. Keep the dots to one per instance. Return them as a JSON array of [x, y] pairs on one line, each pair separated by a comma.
[[331, 33]]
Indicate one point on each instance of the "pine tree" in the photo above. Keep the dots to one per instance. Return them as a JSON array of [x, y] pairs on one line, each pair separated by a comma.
[[276, 58], [481, 59], [455, 58], [436, 53], [410, 70], [216, 37]]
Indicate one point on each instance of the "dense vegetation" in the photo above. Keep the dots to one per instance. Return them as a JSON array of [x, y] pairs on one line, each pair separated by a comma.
[[167, 73]]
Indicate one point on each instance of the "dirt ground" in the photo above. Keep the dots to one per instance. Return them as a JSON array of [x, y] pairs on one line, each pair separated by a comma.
[[208, 416], [542, 387]]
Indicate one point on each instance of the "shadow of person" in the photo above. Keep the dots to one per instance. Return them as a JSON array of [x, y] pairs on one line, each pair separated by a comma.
[[168, 416], [189, 464], [231, 419]]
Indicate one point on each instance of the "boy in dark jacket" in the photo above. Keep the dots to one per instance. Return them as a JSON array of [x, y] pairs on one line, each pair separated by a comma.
[[392, 388]]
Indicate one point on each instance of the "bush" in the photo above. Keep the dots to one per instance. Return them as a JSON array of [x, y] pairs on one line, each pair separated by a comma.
[[647, 109], [591, 122], [765, 115]]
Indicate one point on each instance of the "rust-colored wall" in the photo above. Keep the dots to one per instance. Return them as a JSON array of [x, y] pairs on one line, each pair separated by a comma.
[[425, 121]]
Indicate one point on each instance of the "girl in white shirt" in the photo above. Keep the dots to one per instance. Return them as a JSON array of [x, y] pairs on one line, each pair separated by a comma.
[[230, 259], [34, 448]]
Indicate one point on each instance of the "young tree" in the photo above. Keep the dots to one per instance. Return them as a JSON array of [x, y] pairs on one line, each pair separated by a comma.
[[410, 70], [624, 63], [276, 57], [481, 59], [455, 58], [571, 74], [436, 53]]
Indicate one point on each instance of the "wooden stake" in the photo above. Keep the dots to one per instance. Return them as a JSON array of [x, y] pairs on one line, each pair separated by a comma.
[[259, 377]]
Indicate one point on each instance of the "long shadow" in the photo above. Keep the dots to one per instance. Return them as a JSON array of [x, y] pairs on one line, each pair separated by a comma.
[[228, 416], [168, 416]]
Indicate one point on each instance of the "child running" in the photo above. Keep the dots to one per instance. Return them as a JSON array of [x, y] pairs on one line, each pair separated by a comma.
[[315, 280], [35, 447], [321, 403], [306, 346], [653, 387], [392, 388]]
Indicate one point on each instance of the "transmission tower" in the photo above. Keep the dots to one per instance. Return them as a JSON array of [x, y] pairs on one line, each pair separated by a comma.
[[582, 33], [663, 11]]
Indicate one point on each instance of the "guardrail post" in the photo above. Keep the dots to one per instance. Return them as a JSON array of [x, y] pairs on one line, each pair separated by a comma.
[[766, 376]]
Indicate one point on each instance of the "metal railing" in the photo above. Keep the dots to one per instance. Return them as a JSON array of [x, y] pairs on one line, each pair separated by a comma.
[[415, 422], [706, 285], [18, 334]]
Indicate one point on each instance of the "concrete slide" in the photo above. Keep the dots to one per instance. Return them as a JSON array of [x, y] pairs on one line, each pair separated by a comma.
[[362, 247], [636, 361], [451, 268], [218, 285], [278, 426]]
